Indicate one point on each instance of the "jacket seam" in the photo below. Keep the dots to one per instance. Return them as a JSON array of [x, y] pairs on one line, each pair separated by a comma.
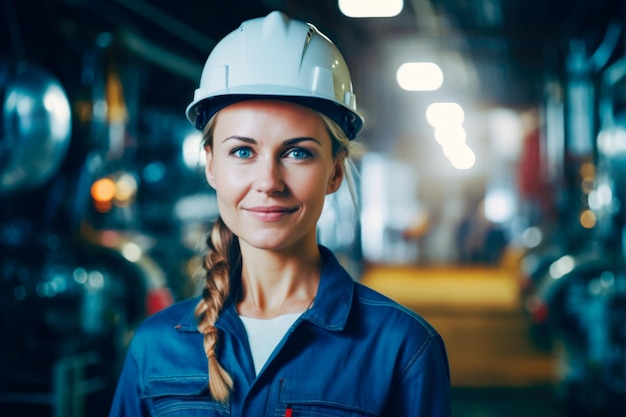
[[430, 330]]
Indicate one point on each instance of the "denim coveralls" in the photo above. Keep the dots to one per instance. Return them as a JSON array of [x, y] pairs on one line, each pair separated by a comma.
[[353, 353]]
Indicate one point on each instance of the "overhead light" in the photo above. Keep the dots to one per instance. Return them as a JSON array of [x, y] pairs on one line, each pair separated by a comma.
[[419, 76], [371, 8], [460, 155], [445, 114], [450, 135]]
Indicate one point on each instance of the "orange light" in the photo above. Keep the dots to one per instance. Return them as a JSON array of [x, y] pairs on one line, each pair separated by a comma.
[[587, 170], [103, 190], [588, 219]]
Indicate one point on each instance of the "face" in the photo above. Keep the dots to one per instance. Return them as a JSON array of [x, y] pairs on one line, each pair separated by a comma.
[[271, 166]]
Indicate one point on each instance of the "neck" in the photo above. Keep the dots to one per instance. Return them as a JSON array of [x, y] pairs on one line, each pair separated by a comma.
[[274, 284]]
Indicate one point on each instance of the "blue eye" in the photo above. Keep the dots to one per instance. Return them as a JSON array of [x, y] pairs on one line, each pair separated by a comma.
[[299, 153], [243, 153]]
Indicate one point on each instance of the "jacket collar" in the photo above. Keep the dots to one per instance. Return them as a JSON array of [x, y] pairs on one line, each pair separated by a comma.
[[334, 295], [331, 307]]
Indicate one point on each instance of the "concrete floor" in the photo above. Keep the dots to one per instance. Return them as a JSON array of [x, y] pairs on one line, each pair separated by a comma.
[[495, 369]]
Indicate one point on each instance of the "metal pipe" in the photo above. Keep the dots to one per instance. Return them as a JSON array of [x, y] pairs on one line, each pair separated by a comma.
[[160, 56], [174, 26]]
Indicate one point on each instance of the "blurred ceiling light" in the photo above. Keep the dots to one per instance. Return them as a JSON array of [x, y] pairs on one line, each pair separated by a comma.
[[612, 141], [505, 130], [588, 219], [499, 204], [371, 8], [460, 155], [125, 189], [80, 276], [193, 154], [562, 266], [95, 280], [601, 197], [103, 190], [593, 200], [132, 251], [450, 135], [532, 237], [419, 76], [445, 114]]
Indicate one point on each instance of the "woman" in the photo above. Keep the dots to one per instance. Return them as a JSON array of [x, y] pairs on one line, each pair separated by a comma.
[[281, 327]]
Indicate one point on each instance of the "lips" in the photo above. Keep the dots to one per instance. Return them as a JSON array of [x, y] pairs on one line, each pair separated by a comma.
[[271, 213]]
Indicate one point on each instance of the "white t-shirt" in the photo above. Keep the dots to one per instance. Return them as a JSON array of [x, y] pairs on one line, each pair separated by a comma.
[[265, 334]]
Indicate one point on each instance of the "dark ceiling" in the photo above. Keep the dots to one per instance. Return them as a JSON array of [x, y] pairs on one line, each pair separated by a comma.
[[511, 43]]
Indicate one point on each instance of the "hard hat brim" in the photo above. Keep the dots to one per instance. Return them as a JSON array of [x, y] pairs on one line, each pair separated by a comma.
[[199, 113]]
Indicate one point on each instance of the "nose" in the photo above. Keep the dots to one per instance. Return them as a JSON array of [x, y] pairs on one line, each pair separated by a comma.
[[269, 178]]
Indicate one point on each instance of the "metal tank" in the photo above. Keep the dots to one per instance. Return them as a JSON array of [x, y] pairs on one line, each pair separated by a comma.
[[68, 304]]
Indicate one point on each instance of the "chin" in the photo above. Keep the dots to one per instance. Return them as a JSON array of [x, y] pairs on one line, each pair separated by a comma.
[[273, 241], [267, 242]]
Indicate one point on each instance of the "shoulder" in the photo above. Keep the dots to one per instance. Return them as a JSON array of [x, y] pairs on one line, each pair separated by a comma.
[[168, 345], [368, 312], [173, 319], [179, 313], [395, 317], [402, 334]]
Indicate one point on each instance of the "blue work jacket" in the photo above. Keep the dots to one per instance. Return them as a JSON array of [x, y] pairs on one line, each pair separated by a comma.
[[354, 353]]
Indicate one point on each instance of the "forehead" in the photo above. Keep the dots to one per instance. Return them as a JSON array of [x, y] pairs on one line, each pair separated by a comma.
[[276, 115]]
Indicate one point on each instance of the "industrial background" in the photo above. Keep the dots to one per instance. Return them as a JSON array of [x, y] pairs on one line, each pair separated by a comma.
[[511, 241]]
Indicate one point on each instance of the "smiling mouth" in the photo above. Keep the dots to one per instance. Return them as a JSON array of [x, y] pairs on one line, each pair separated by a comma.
[[271, 213]]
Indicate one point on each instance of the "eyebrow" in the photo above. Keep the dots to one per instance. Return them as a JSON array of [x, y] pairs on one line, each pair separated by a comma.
[[287, 142]]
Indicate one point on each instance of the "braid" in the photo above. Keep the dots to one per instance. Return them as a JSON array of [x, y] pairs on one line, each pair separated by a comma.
[[222, 250]]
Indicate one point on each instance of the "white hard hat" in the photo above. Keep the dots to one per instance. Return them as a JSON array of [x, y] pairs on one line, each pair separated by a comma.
[[277, 57]]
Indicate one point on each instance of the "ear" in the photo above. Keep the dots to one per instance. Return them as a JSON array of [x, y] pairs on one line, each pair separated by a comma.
[[208, 170], [334, 182]]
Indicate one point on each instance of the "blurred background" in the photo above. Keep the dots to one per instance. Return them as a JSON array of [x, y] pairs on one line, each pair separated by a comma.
[[492, 187]]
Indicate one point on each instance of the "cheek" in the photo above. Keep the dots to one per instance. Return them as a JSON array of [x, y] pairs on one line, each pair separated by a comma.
[[229, 184], [225, 185], [310, 187]]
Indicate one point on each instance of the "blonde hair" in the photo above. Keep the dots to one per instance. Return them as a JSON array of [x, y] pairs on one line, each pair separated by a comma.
[[223, 254]]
